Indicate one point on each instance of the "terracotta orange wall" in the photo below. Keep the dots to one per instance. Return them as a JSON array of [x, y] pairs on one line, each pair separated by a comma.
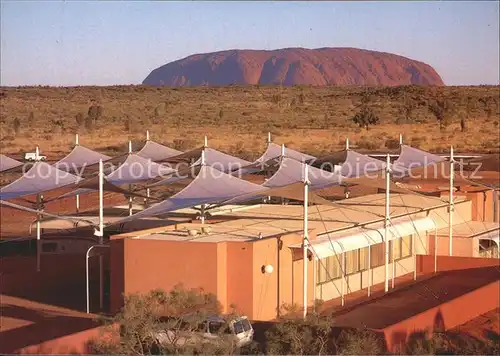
[[230, 270], [76, 343], [265, 285], [117, 274], [240, 276], [452, 313], [152, 264], [298, 281], [462, 246], [482, 205], [425, 264], [58, 274]]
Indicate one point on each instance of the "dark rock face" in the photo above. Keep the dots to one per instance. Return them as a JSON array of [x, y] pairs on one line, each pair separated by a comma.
[[295, 66]]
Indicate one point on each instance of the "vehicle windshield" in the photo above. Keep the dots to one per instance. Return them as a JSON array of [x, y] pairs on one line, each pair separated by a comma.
[[217, 327], [242, 325]]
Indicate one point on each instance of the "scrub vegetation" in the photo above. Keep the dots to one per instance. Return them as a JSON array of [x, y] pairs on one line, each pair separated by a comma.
[[182, 310], [236, 119]]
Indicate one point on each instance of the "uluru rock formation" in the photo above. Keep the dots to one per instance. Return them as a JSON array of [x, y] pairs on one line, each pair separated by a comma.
[[291, 66]]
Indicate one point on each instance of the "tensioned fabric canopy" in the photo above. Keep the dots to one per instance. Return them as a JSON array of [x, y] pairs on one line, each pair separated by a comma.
[[39, 178], [80, 157], [91, 185], [292, 171], [222, 161], [273, 150], [7, 163], [214, 158], [410, 157], [209, 187], [269, 157], [157, 152], [357, 165], [359, 237], [135, 169]]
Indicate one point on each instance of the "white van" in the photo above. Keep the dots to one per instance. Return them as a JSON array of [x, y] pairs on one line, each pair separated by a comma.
[[31, 156], [237, 330]]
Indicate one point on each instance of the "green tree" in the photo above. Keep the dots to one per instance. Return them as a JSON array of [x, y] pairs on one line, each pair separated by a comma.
[[16, 126], [443, 111], [360, 342], [365, 117], [80, 119], [295, 335], [95, 112]]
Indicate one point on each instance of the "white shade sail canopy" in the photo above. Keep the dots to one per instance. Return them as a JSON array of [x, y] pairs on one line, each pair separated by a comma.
[[7, 163], [411, 157], [359, 237], [80, 157], [136, 169], [210, 186], [292, 171], [157, 152], [222, 161], [357, 165], [269, 157], [273, 150], [39, 178]]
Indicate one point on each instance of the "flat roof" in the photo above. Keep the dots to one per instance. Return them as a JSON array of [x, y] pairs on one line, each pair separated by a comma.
[[214, 233], [246, 223], [26, 322], [470, 228], [347, 213]]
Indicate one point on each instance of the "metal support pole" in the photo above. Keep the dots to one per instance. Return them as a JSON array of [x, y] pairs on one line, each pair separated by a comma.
[[369, 270], [315, 279], [77, 203], [414, 257], [268, 138], [343, 279], [400, 139], [130, 202], [146, 200], [451, 204], [38, 233], [393, 264], [306, 234], [87, 284], [147, 135], [76, 140], [87, 278], [101, 231], [347, 143], [202, 214], [386, 223], [435, 250]]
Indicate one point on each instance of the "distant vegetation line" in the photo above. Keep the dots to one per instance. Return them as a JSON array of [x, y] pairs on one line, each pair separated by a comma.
[[237, 118]]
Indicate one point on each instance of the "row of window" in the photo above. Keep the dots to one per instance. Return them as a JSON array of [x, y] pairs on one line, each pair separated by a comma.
[[329, 268]]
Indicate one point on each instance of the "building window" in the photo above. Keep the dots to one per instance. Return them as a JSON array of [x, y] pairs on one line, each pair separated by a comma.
[[406, 246], [363, 258], [402, 247], [329, 268], [352, 262], [357, 260], [377, 255]]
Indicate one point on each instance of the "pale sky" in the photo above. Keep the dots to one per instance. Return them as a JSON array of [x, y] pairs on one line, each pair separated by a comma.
[[112, 42]]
